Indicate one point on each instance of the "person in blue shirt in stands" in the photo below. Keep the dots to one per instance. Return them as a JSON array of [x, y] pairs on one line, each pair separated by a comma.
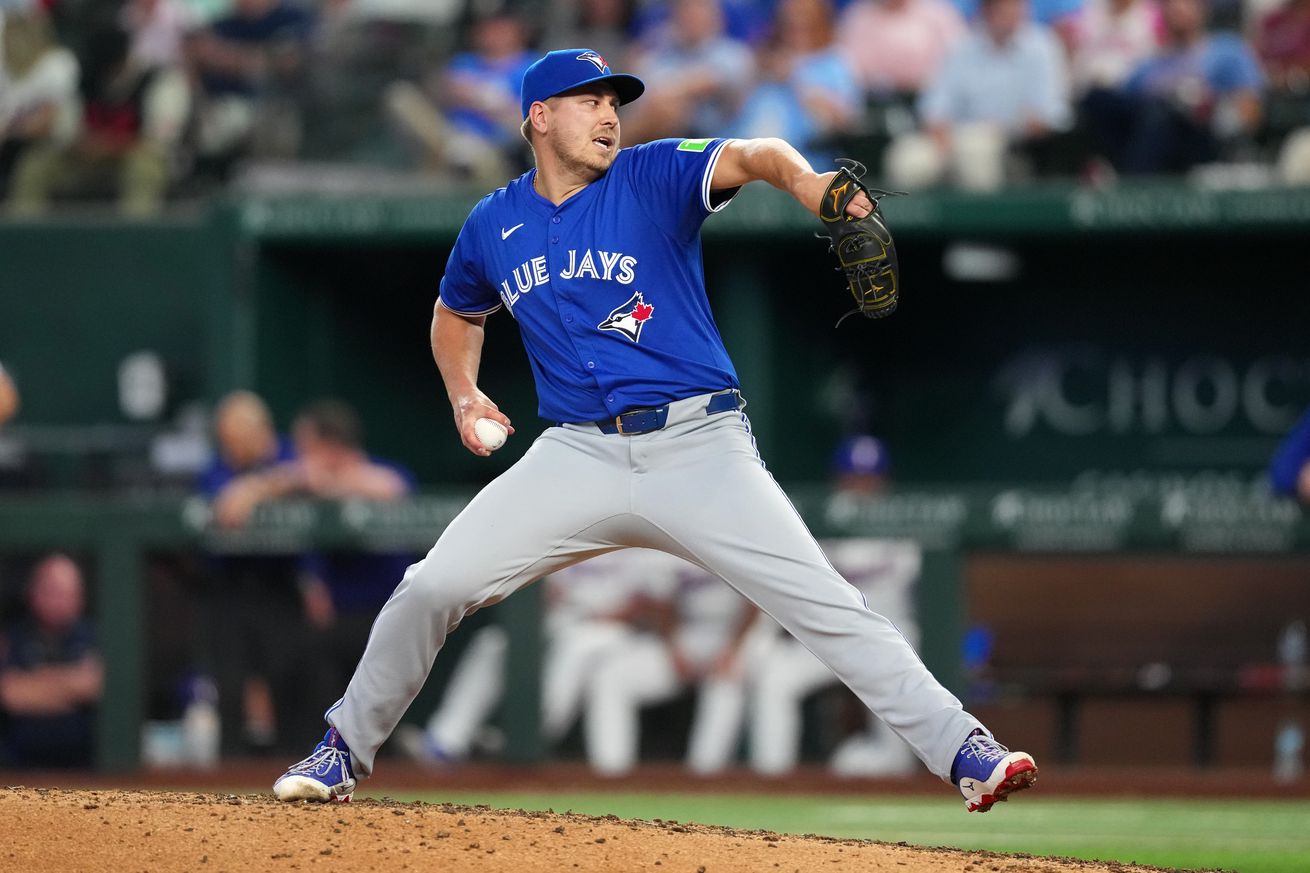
[[1289, 473], [465, 118], [253, 598], [248, 64], [343, 590], [807, 90], [1201, 93], [1061, 16]]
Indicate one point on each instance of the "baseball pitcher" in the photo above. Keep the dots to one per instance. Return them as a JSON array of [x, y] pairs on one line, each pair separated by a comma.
[[596, 253]]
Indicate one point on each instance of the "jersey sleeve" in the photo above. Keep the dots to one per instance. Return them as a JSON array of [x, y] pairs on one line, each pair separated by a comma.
[[464, 290], [671, 178]]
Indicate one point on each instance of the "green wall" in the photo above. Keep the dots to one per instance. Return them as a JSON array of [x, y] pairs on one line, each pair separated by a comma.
[[77, 297]]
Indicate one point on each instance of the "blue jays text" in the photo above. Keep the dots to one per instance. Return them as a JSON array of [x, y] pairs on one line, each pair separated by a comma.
[[596, 265]]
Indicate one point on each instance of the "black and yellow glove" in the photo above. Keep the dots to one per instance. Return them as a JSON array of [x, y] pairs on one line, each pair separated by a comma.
[[865, 251]]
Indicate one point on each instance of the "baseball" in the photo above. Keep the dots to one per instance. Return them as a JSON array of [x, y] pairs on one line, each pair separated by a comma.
[[491, 433]]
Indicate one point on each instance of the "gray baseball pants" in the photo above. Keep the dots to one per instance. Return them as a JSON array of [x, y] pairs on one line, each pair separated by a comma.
[[696, 489]]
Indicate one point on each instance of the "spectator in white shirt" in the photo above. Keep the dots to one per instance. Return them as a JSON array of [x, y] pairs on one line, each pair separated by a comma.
[[1004, 85], [1008, 73]]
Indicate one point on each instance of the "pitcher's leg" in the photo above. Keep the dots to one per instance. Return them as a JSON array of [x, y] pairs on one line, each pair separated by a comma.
[[559, 504], [714, 498]]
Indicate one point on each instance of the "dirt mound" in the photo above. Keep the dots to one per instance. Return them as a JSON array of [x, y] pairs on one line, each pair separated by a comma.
[[62, 830]]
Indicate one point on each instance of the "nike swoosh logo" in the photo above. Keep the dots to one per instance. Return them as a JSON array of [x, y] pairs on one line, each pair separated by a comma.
[[504, 234]]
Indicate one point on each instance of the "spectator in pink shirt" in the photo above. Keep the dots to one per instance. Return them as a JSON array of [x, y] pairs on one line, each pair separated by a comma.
[[1283, 45], [897, 45]]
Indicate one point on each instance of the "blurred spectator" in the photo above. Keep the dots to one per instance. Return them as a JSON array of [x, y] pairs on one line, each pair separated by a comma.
[[1289, 473], [860, 465], [1283, 43], [702, 626], [38, 88], [134, 118], [784, 673], [159, 30], [1113, 38], [594, 610], [249, 64], [1003, 86], [468, 122], [339, 593], [329, 462], [1061, 16], [51, 675], [359, 48], [9, 399], [1195, 100], [807, 90], [342, 590], [897, 45], [247, 443], [696, 76], [16, 471], [748, 21], [602, 25], [255, 603]]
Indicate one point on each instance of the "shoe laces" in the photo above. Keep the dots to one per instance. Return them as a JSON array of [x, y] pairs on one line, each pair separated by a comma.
[[984, 748], [322, 761]]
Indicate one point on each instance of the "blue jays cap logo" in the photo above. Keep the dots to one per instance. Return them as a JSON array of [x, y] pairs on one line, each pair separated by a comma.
[[629, 318], [596, 60]]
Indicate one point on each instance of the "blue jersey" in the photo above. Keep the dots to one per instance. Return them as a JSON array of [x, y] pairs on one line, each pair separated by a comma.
[[608, 288]]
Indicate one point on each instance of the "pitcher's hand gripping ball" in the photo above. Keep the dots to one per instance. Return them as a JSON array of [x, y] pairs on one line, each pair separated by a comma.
[[491, 433], [865, 251]]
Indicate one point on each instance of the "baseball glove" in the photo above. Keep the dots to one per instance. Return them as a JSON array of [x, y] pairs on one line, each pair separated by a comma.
[[863, 246]]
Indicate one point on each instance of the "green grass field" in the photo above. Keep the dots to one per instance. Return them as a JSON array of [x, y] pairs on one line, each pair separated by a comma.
[[1246, 836]]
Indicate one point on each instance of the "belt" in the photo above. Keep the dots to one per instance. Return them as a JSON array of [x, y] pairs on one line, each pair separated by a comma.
[[646, 420]]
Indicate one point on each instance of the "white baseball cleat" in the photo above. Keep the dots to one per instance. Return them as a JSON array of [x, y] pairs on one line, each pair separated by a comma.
[[325, 775]]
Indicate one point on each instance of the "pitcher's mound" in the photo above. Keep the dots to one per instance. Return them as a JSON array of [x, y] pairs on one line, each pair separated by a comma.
[[130, 831]]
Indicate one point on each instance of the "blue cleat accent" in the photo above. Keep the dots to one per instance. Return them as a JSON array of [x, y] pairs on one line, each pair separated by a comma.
[[325, 775], [987, 772]]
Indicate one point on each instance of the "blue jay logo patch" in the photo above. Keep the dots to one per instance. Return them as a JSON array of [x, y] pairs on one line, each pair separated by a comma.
[[595, 60], [629, 318]]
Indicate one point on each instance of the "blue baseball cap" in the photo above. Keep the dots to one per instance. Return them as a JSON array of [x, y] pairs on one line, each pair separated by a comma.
[[566, 69]]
